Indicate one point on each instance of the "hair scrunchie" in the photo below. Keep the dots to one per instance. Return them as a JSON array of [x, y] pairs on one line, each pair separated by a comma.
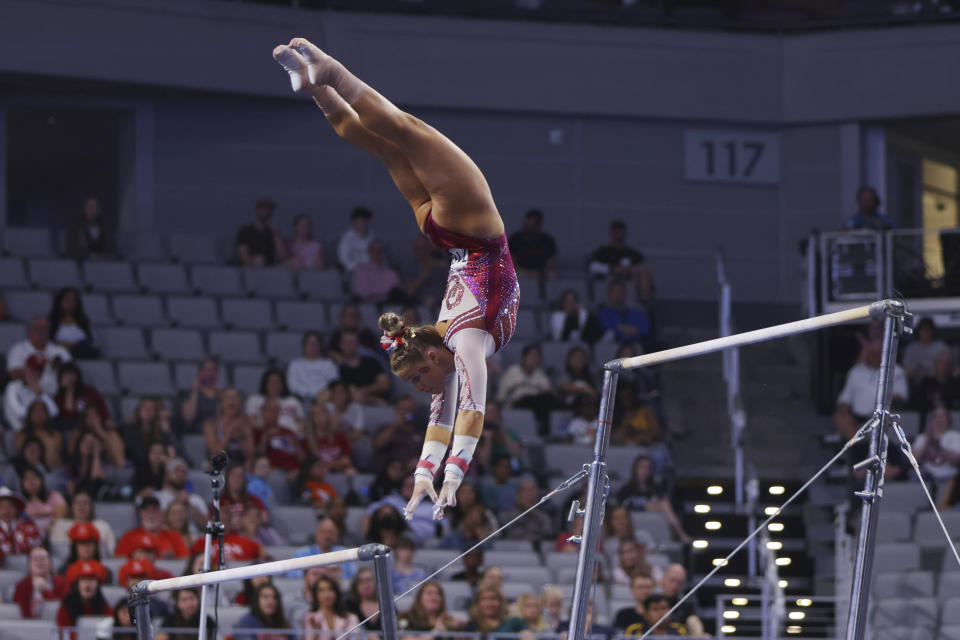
[[388, 343]]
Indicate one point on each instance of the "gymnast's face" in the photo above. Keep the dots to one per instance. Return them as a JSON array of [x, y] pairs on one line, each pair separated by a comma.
[[427, 375]]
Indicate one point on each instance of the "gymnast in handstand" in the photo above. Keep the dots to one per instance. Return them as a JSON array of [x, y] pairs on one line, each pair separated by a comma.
[[455, 210]]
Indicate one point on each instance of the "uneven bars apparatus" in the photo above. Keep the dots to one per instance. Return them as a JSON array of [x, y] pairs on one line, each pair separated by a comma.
[[378, 553], [892, 312]]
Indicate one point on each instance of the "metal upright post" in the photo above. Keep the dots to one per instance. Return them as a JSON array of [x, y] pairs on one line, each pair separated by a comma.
[[388, 610], [593, 511], [875, 464], [139, 601]]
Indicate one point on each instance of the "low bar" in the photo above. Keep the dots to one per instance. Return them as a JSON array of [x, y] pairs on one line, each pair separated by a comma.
[[265, 569], [876, 310]]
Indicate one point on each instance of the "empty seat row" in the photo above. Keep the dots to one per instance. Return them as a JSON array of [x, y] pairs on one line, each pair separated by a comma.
[[923, 528]]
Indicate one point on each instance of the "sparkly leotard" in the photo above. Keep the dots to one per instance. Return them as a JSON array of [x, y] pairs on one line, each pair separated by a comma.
[[482, 283]]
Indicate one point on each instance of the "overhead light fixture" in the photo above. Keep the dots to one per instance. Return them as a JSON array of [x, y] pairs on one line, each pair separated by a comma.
[[700, 544], [783, 584], [728, 628], [739, 602], [714, 490], [775, 545], [775, 527], [777, 490], [731, 615], [783, 562], [796, 615], [804, 602], [731, 582], [712, 525], [702, 508], [771, 511]]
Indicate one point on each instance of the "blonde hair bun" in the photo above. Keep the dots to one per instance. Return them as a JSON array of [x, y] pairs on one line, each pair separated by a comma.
[[391, 323]]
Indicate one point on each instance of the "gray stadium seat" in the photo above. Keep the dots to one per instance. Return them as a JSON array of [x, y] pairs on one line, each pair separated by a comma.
[[97, 308], [54, 274], [653, 523], [511, 558], [123, 343], [145, 378], [528, 328], [433, 559], [23, 305], [301, 316], [354, 522], [122, 516], [949, 585], [217, 280], [906, 497], [916, 612], [276, 282], [295, 524], [899, 556], [184, 374], [888, 632], [247, 378], [11, 333], [515, 545], [321, 285], [228, 617], [903, 584], [893, 526], [949, 632], [163, 278], [374, 417], [910, 421], [247, 313], [139, 311], [949, 563], [26, 242], [143, 246], [927, 531], [177, 344], [15, 629], [199, 313], [458, 594], [556, 286], [531, 575], [284, 347], [12, 274], [193, 248], [110, 276], [604, 352], [529, 290], [951, 611], [235, 346], [99, 373], [555, 354]]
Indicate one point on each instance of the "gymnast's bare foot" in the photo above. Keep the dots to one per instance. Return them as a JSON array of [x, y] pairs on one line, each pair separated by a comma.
[[294, 64], [322, 69]]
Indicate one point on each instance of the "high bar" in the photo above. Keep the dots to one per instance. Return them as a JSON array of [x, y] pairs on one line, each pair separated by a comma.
[[877, 310], [365, 552]]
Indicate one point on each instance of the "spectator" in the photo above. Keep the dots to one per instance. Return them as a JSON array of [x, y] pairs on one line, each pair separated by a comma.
[[39, 585], [239, 544], [84, 545], [529, 610], [526, 386], [82, 511], [641, 588], [386, 525], [250, 586], [421, 522], [176, 517], [325, 441], [43, 505], [120, 625], [492, 577], [258, 244], [496, 441], [637, 424], [868, 216], [401, 437], [942, 387], [471, 573], [74, 396], [552, 601], [266, 614], [273, 386], [533, 249], [170, 544], [150, 425], [302, 603], [258, 482], [95, 453], [582, 428], [631, 561], [655, 607], [576, 383], [427, 285], [18, 534], [537, 524], [642, 492], [500, 492], [921, 353], [471, 529], [313, 486], [325, 536], [311, 373], [388, 479], [148, 477], [236, 498], [374, 281], [572, 323], [623, 323], [69, 325], [85, 597], [304, 251], [858, 398], [468, 496], [937, 449], [253, 527], [175, 489], [353, 248], [38, 354], [618, 524], [362, 600], [203, 400], [352, 320], [89, 236], [621, 262], [593, 630], [230, 431], [37, 426], [364, 377], [336, 510], [21, 395], [345, 412], [429, 612], [134, 571], [185, 615], [405, 574], [490, 614], [32, 454], [673, 585], [329, 617], [282, 446]]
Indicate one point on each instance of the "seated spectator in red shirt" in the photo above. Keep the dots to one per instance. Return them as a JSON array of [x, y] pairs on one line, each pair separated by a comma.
[[236, 548], [74, 396], [313, 484], [84, 544], [39, 585], [326, 441], [374, 281], [85, 597], [236, 497], [278, 443], [169, 544], [18, 534]]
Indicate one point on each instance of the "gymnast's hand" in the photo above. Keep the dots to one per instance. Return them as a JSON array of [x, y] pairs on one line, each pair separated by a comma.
[[447, 498], [422, 486]]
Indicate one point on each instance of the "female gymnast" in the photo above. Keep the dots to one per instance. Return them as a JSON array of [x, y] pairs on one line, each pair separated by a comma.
[[455, 210]]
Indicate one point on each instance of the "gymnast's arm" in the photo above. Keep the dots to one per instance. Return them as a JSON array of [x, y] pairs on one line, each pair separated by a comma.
[[435, 443]]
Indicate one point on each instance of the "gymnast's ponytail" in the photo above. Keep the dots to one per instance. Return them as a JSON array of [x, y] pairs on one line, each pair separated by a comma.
[[406, 345]]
